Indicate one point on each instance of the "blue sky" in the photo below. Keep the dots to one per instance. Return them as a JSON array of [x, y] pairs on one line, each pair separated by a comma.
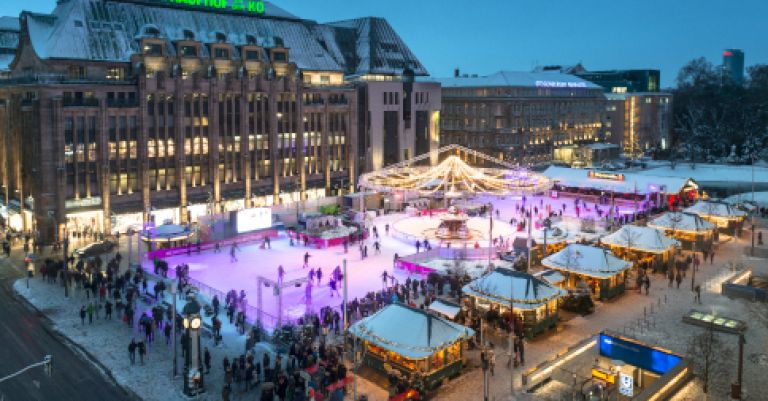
[[483, 36]]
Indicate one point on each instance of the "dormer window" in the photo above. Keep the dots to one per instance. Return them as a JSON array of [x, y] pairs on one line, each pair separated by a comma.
[[252, 55], [220, 37], [250, 40], [188, 51], [153, 49], [221, 53], [189, 35], [152, 31], [279, 56]]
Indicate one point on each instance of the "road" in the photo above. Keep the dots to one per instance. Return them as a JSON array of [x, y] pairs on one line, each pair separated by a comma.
[[25, 338]]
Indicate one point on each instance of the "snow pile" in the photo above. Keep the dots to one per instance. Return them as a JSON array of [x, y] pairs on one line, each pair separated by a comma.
[[585, 259], [761, 198], [716, 209]]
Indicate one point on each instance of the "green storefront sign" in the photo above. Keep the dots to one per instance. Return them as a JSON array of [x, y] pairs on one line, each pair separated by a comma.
[[250, 6]]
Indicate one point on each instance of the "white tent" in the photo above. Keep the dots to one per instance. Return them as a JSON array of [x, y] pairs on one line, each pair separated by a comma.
[[715, 209], [587, 260], [645, 239], [503, 286], [681, 221], [409, 332]]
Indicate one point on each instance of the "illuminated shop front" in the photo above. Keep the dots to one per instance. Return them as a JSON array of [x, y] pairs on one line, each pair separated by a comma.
[[413, 342], [727, 218], [647, 247], [691, 230], [533, 300], [590, 267]]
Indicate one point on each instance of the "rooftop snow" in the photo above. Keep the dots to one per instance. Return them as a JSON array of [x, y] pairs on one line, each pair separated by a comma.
[[632, 182], [410, 332], [519, 79], [645, 239], [716, 209], [587, 260], [504, 285], [681, 221]]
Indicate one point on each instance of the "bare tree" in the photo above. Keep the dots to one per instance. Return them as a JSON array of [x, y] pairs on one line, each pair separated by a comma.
[[675, 219], [710, 355]]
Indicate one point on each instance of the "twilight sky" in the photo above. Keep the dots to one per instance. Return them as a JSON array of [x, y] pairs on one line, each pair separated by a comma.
[[484, 36]]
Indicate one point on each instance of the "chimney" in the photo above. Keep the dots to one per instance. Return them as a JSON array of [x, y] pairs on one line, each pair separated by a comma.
[[456, 72]]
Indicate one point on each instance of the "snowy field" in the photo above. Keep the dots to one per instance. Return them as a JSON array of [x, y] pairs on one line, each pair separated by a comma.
[[761, 198], [711, 173]]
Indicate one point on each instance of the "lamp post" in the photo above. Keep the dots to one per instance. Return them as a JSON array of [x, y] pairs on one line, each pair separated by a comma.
[[345, 312], [193, 372], [752, 249], [173, 327]]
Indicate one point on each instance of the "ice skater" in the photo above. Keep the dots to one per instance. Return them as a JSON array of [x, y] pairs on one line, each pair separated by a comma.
[[332, 285], [311, 275], [232, 253], [384, 277], [319, 275], [377, 247], [280, 274], [308, 293], [386, 229], [306, 260]]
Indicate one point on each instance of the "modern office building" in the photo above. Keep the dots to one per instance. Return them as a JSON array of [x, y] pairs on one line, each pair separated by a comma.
[[521, 116], [733, 65], [624, 81], [116, 112]]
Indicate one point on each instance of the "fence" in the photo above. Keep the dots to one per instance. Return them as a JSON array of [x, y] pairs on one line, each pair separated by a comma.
[[206, 246]]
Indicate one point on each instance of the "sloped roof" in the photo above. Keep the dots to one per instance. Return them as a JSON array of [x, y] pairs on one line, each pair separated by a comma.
[[503, 286], [681, 221], [109, 30], [645, 239], [9, 41], [410, 332], [371, 46], [518, 79], [587, 260], [579, 178], [716, 209]]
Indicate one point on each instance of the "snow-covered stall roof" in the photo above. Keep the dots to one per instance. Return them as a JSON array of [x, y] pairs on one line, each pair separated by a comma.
[[9, 41], [445, 308], [503, 286], [619, 182], [523, 79], [645, 239], [681, 221], [715, 209], [586, 260], [410, 332], [553, 277]]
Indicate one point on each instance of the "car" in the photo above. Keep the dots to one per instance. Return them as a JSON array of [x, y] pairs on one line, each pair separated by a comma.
[[94, 249]]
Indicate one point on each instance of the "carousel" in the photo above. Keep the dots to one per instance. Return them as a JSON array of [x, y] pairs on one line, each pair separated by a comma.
[[648, 247], [453, 183], [591, 269], [691, 230]]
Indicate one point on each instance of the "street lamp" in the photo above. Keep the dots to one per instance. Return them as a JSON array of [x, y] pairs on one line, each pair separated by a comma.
[[193, 372]]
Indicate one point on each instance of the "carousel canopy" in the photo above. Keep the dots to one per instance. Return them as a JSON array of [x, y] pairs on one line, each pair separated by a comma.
[[587, 260], [677, 221], [715, 209], [644, 239], [504, 286], [454, 177], [410, 332]]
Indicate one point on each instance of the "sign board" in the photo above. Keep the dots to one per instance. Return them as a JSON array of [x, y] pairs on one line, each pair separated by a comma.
[[254, 219], [247, 6], [560, 84], [85, 202], [637, 354], [626, 385], [605, 176]]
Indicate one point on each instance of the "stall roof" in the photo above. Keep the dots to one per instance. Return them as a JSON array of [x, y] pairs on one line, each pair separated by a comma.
[[553, 277], [587, 260], [503, 286], [645, 239], [621, 183], [445, 308], [715, 209], [681, 221], [410, 332]]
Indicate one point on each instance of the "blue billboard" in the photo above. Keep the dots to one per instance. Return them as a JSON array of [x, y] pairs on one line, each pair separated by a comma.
[[636, 354]]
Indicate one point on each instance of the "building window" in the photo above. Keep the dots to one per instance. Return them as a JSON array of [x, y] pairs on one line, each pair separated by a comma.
[[252, 55], [221, 53], [77, 72], [116, 73], [188, 51], [153, 49], [619, 89], [279, 56], [325, 79], [648, 100]]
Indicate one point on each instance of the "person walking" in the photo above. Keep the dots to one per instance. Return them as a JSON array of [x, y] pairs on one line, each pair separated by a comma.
[[82, 315], [647, 284], [698, 293], [306, 260], [207, 360], [280, 274], [679, 279], [216, 303], [142, 351], [90, 310], [712, 258], [232, 252], [671, 276], [108, 310], [132, 351], [167, 333], [319, 275]]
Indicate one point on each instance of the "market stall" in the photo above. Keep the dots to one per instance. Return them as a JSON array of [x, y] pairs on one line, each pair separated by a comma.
[[413, 342], [533, 301], [690, 229], [590, 267], [647, 247], [726, 217]]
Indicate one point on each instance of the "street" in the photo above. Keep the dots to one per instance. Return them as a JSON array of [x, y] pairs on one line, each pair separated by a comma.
[[26, 338]]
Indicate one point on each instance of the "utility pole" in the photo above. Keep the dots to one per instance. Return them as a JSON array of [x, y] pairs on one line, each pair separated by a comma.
[[346, 318], [173, 327], [740, 367], [752, 249], [490, 234]]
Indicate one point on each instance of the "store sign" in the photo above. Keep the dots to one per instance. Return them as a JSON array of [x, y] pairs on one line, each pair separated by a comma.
[[249, 6], [626, 385], [560, 84], [86, 202], [605, 176], [254, 219]]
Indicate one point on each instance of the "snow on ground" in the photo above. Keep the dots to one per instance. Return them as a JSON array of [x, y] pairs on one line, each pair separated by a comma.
[[761, 198], [704, 173]]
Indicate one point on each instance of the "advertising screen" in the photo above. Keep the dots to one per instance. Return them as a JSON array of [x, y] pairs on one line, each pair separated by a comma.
[[254, 219], [643, 357]]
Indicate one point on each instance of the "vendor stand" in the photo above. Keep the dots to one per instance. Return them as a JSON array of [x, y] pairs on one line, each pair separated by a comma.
[[602, 272], [412, 342], [647, 247], [727, 218], [534, 301], [693, 231]]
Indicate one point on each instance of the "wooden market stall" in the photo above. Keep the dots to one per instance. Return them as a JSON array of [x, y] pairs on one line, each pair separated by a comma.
[[533, 301], [693, 231], [727, 218], [597, 268], [647, 247], [413, 342]]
